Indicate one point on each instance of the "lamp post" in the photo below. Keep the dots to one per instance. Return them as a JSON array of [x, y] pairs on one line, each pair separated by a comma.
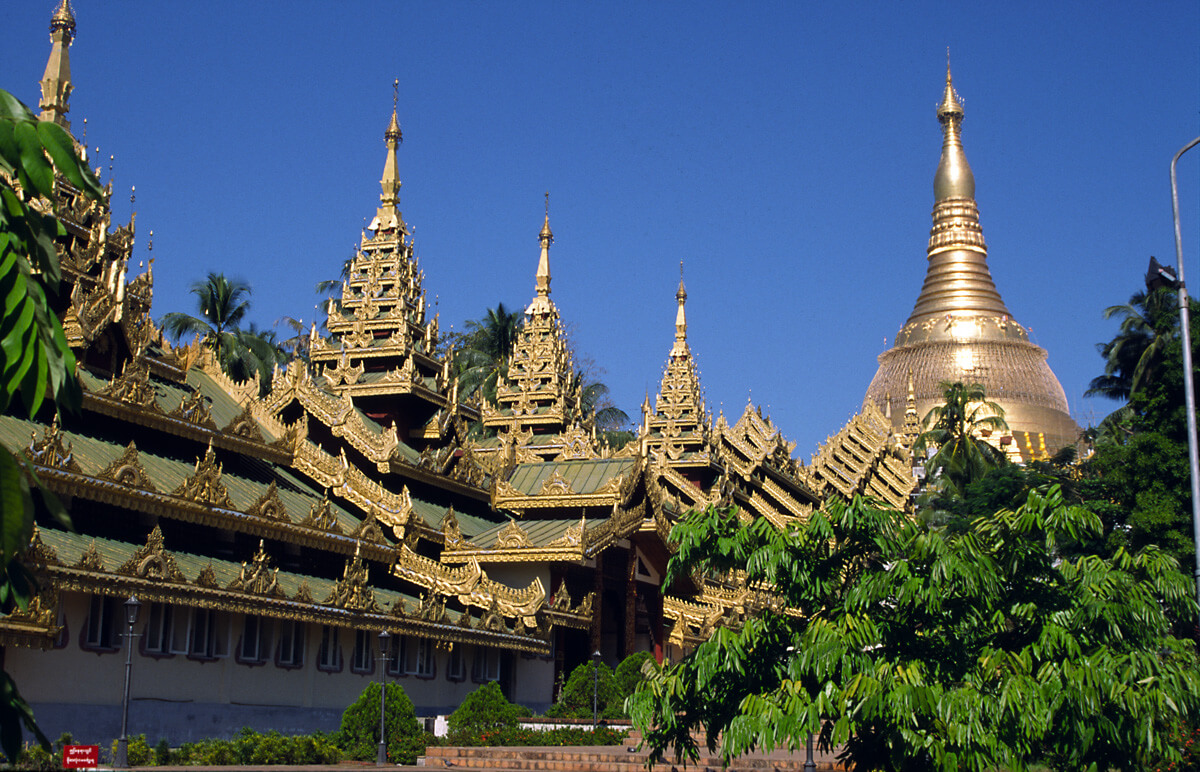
[[384, 640], [121, 757], [1189, 393], [595, 686], [809, 764]]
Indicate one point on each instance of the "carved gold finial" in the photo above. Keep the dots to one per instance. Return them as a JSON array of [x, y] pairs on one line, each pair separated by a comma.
[[56, 82], [546, 238]]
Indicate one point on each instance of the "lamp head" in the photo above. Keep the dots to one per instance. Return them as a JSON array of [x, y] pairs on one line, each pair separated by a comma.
[[132, 607], [384, 639]]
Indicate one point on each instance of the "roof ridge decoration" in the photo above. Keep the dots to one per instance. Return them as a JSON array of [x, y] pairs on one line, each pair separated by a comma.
[[321, 516], [353, 591], [865, 457], [245, 425], [205, 486], [194, 408], [270, 506], [56, 82], [678, 426], [257, 577], [126, 469], [133, 386], [152, 561], [51, 450]]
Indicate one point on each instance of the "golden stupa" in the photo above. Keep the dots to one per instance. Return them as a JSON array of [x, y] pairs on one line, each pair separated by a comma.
[[960, 329]]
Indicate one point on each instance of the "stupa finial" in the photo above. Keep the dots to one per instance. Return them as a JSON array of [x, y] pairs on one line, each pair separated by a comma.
[[56, 82]]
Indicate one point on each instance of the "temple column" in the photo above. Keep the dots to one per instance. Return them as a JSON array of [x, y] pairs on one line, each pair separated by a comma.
[[630, 602], [598, 603]]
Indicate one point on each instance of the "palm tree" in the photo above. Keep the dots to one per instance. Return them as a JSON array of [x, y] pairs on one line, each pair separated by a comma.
[[1149, 322], [486, 350], [954, 429], [223, 303]]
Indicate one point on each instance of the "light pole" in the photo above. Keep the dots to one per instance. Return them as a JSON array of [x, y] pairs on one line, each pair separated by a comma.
[[1189, 393], [809, 764], [595, 686], [121, 757], [384, 640]]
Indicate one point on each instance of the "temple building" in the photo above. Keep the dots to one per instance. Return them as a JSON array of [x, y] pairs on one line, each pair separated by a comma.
[[270, 538], [960, 329]]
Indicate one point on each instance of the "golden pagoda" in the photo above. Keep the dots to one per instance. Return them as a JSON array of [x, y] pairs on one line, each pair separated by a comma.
[[960, 329]]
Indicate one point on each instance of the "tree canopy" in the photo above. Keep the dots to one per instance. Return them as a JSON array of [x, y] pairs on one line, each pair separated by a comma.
[[922, 649]]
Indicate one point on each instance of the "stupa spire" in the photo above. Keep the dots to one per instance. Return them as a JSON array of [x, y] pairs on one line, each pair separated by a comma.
[[56, 82], [541, 302], [957, 281], [680, 348], [387, 218]]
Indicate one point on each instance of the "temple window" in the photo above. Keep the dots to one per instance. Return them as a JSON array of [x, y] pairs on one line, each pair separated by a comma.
[[161, 631], [329, 656], [486, 666], [419, 658], [291, 644], [364, 659], [256, 640], [454, 665], [208, 637], [100, 630], [396, 654]]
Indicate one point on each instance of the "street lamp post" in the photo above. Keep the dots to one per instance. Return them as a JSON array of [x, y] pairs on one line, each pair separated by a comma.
[[384, 640], [809, 764], [595, 686], [1189, 393], [121, 757]]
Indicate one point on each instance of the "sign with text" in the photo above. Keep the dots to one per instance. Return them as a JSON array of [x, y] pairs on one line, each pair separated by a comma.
[[81, 756]]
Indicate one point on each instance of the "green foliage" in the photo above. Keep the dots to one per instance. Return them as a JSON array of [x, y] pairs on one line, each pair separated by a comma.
[[557, 737], [482, 351], [137, 750], [250, 747], [35, 360], [629, 674], [953, 428], [575, 700], [162, 752], [485, 713], [926, 649], [359, 735]]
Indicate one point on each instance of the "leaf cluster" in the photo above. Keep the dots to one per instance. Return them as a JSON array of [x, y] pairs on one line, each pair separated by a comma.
[[359, 733], [919, 649]]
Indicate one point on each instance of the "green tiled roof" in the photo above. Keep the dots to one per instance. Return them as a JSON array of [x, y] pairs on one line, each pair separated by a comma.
[[583, 476], [541, 532]]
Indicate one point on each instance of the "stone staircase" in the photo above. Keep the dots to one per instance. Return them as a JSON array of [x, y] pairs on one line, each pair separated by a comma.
[[607, 758]]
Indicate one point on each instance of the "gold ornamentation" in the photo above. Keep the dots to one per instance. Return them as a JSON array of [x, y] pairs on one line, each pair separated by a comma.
[[91, 559], [556, 485], [257, 577], [322, 517], [205, 486], [269, 506], [207, 577], [304, 593], [127, 470], [153, 562], [353, 591], [451, 535], [368, 530], [133, 386], [195, 409], [512, 536], [51, 451], [245, 426]]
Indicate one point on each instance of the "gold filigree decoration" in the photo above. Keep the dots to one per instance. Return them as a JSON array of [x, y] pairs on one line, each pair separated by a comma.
[[257, 577], [304, 593], [127, 470], [133, 386], [556, 485], [512, 536], [152, 561], [322, 517], [195, 409], [270, 506], [451, 533], [51, 451], [91, 559], [572, 537], [399, 608], [245, 426], [433, 608], [492, 620], [369, 530], [205, 486], [353, 591], [207, 577]]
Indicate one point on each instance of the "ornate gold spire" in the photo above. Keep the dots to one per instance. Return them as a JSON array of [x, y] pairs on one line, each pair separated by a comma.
[[56, 82], [960, 329], [678, 427], [541, 303], [387, 217]]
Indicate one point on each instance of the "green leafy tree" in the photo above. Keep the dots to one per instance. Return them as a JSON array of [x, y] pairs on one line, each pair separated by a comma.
[[223, 303], [920, 649], [629, 674], [954, 428], [35, 360], [1148, 323], [575, 700], [484, 351], [359, 734]]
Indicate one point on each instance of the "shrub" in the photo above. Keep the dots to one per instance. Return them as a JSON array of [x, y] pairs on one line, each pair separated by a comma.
[[162, 753], [483, 715], [359, 735], [575, 701], [137, 751], [629, 675]]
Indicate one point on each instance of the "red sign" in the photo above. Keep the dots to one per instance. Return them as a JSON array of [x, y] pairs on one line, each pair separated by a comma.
[[81, 756]]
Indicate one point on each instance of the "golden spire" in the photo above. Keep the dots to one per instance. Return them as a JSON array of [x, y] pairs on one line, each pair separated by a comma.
[[387, 219], [958, 281], [680, 348], [56, 82], [541, 303]]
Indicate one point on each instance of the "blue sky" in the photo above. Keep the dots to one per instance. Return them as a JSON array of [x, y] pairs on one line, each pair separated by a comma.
[[784, 151]]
